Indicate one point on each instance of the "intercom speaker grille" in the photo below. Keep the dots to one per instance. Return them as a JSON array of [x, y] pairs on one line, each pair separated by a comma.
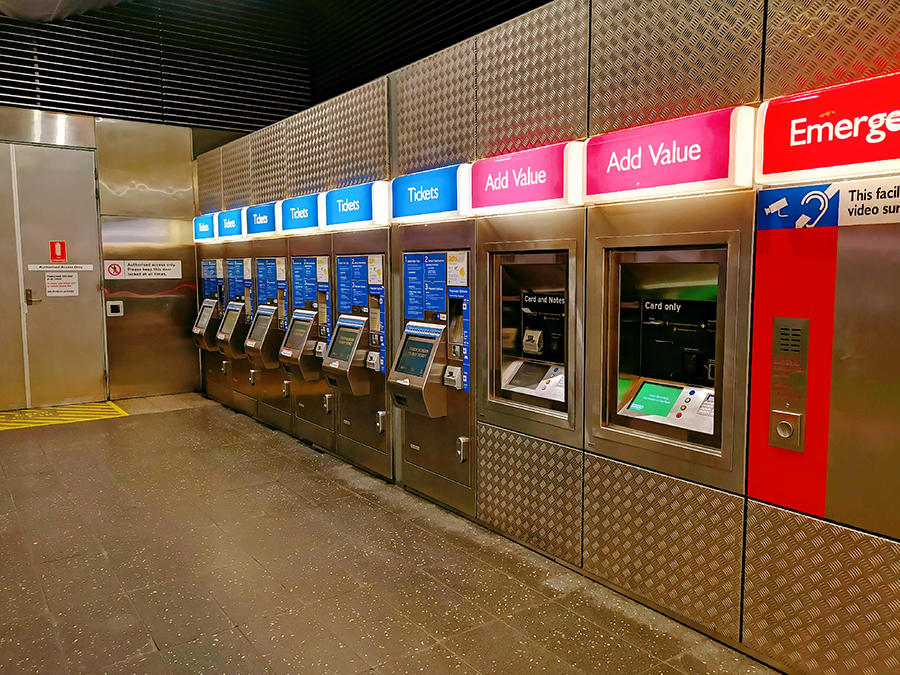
[[790, 340]]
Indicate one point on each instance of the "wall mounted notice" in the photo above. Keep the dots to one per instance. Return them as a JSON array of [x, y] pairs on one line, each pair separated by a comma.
[[142, 269], [60, 284]]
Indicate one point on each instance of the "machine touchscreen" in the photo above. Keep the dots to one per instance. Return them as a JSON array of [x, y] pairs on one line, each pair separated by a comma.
[[342, 345], [297, 335], [414, 356], [205, 314], [229, 322], [260, 327], [655, 399], [529, 375]]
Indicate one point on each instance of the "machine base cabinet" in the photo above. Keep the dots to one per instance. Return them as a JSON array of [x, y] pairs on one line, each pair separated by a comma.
[[675, 543], [531, 489], [819, 597]]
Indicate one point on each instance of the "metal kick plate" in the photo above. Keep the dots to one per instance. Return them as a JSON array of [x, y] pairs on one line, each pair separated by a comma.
[[790, 353]]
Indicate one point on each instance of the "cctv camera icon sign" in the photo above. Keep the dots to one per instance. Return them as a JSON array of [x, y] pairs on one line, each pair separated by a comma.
[[798, 208]]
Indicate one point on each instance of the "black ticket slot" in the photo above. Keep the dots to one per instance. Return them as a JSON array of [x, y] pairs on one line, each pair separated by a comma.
[[262, 343], [233, 331], [298, 351], [206, 325], [345, 361], [416, 378]]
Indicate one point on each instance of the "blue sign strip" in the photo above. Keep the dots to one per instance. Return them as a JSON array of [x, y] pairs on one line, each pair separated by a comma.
[[230, 223], [349, 205], [379, 292], [210, 282], [300, 213], [463, 294], [414, 286], [436, 282], [269, 311], [425, 193], [235, 267], [266, 286], [261, 219], [326, 289], [810, 206], [204, 228]]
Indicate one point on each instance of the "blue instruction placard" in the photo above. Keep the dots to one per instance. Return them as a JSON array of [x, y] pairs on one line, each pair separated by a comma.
[[325, 287], [435, 282], [344, 296], [303, 275], [300, 213], [425, 193], [266, 281], [414, 286], [261, 219], [378, 291], [210, 282], [235, 270], [359, 280]]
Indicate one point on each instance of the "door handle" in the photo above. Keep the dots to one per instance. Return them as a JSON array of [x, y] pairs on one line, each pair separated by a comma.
[[30, 299], [286, 388], [326, 402], [253, 378]]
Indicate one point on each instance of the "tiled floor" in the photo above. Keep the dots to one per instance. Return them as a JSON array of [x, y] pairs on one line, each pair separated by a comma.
[[192, 539]]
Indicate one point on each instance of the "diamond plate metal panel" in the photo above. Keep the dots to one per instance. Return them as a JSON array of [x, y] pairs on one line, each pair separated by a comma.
[[819, 597], [533, 79], [209, 180], [436, 110], [309, 162], [236, 173], [359, 127], [675, 543], [652, 61], [531, 489], [814, 43], [267, 153]]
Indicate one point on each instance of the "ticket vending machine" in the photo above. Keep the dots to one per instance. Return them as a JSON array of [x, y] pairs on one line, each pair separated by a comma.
[[354, 365], [430, 381], [270, 383], [306, 340], [240, 286], [212, 270]]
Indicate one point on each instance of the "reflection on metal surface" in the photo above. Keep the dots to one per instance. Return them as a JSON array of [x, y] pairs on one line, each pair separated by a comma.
[[267, 162], [675, 543], [151, 350], [46, 128], [209, 181], [819, 597], [236, 173], [144, 169], [531, 489], [309, 161], [12, 365], [359, 127], [533, 79]]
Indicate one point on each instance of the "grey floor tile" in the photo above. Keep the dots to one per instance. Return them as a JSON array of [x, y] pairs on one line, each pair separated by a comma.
[[144, 563], [30, 646], [434, 661], [662, 669], [79, 580], [23, 460], [230, 506], [207, 549], [226, 653], [20, 593], [179, 612], [145, 664], [497, 648], [247, 591], [578, 642], [296, 643], [138, 406], [313, 579]]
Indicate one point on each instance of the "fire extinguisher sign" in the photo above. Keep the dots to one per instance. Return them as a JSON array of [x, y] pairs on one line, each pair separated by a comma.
[[58, 252]]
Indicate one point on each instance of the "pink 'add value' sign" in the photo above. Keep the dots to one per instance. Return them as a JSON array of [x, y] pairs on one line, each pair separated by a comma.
[[529, 176], [687, 150]]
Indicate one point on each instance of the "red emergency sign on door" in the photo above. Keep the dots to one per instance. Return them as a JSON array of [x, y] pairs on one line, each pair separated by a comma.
[[58, 252]]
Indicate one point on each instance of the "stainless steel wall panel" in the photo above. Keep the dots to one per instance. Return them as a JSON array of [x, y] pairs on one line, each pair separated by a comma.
[[531, 489], [652, 61], [436, 110], [359, 127], [819, 597], [309, 162], [533, 79], [267, 163], [46, 128], [675, 543], [236, 168], [815, 43], [209, 181], [144, 169], [12, 365]]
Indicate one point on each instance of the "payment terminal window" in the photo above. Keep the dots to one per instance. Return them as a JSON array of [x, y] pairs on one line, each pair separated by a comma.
[[260, 327], [414, 356], [297, 336], [342, 345], [229, 322], [205, 314]]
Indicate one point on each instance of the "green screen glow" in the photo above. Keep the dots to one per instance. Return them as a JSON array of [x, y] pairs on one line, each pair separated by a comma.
[[655, 399]]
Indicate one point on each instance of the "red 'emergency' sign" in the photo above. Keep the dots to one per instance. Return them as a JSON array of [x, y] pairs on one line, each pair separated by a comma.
[[58, 252]]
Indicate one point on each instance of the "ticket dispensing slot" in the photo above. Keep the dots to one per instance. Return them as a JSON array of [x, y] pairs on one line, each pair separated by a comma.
[[206, 325], [416, 379], [298, 351], [233, 331], [345, 360], [262, 343]]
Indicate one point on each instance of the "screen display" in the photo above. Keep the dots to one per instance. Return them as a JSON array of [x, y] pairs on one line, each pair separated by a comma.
[[260, 327], [229, 322], [205, 313], [414, 357], [342, 345], [529, 375], [297, 335], [655, 399]]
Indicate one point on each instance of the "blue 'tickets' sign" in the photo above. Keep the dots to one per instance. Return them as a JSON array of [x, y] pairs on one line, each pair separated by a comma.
[[261, 219], [231, 223], [204, 228], [349, 205], [798, 207], [425, 193], [300, 213]]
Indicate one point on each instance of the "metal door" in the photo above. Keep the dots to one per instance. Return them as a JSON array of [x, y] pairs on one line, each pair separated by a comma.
[[12, 365], [56, 199]]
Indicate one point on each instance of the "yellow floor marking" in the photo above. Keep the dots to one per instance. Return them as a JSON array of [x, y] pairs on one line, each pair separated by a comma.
[[43, 417]]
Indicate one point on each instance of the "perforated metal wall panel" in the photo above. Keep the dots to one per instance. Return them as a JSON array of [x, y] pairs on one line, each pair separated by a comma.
[[652, 61], [359, 128], [209, 180], [820, 597], [675, 543], [309, 162], [531, 489], [436, 110], [236, 173], [533, 79], [267, 163], [814, 43]]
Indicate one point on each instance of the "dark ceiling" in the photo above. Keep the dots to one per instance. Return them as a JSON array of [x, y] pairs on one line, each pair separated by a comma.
[[226, 64]]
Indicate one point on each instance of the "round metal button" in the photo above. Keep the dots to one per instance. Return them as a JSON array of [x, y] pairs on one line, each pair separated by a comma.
[[784, 429]]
